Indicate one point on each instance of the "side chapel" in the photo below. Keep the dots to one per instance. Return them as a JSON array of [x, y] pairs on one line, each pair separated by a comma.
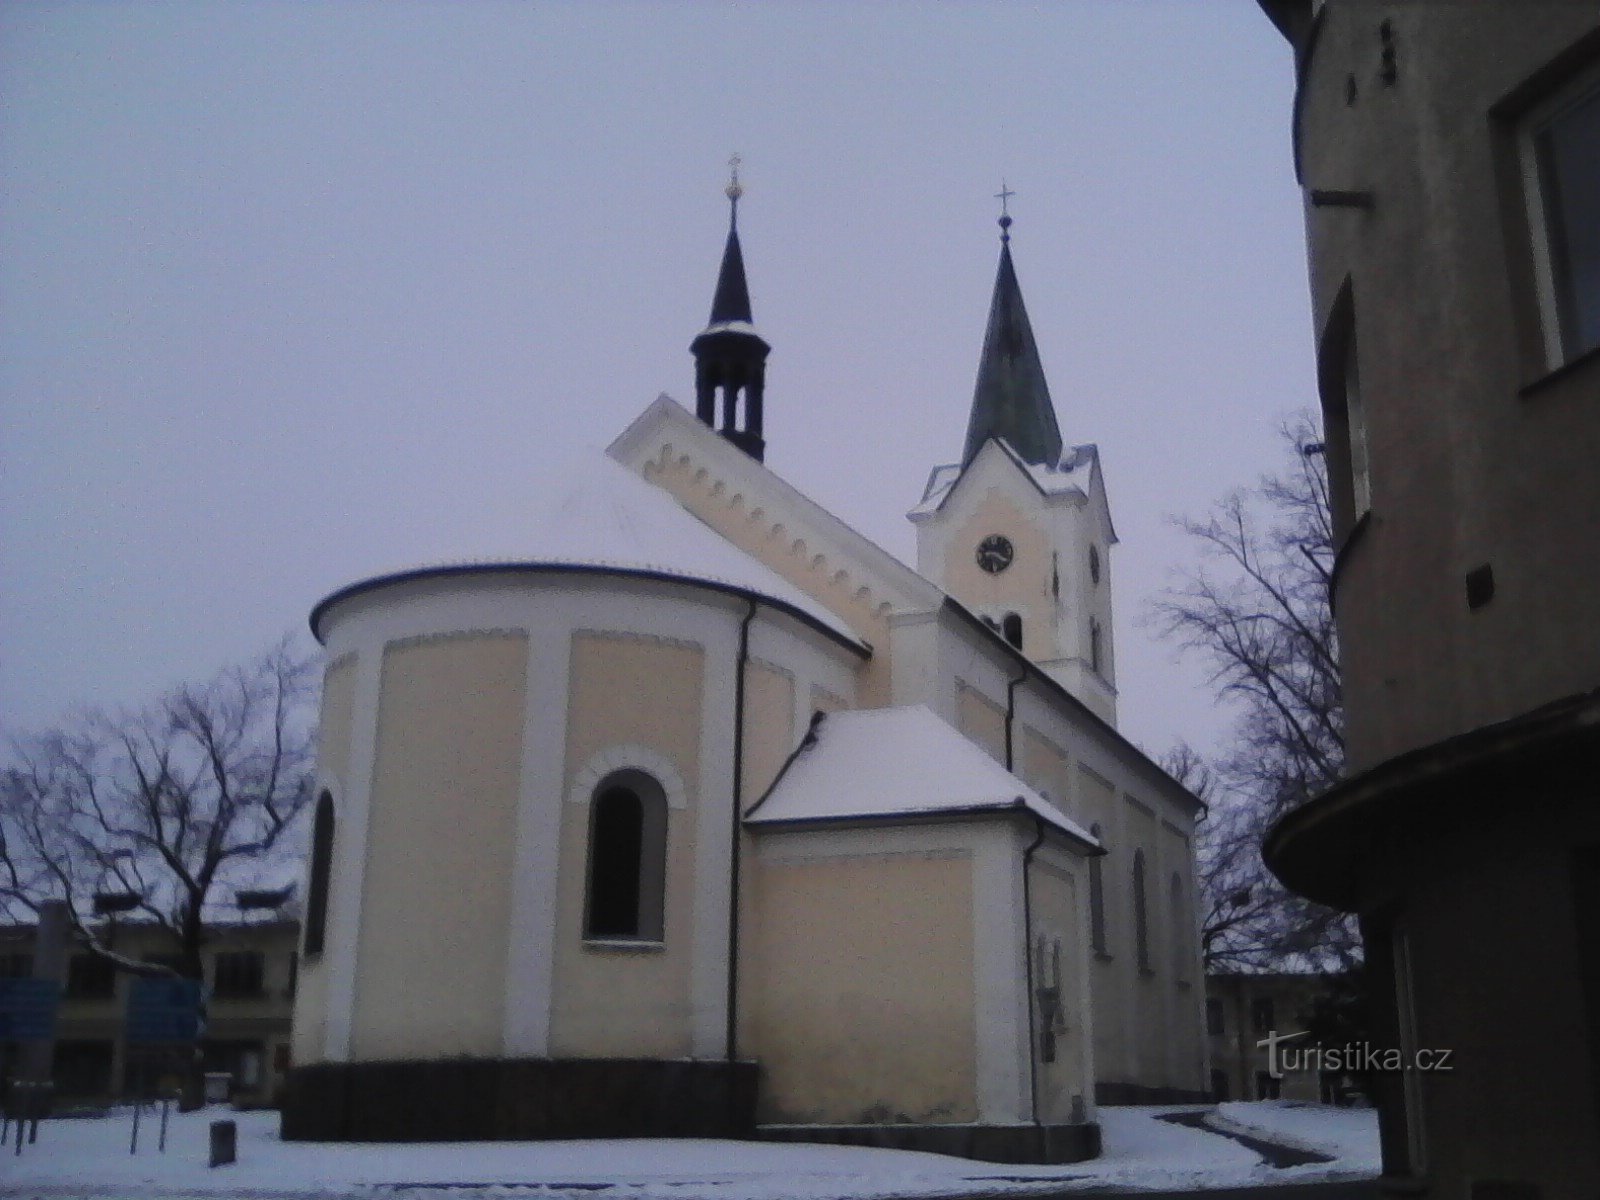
[[707, 816]]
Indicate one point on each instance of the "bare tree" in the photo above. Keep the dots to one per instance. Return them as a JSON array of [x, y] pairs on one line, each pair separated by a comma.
[[161, 812], [1257, 611]]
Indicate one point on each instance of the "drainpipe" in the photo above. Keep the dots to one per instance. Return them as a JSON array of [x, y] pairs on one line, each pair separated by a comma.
[[1027, 959], [733, 843]]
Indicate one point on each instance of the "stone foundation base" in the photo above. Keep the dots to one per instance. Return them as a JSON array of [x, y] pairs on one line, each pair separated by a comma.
[[518, 1099], [986, 1143]]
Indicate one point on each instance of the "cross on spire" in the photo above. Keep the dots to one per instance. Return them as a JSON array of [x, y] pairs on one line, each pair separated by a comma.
[[1004, 196], [734, 189]]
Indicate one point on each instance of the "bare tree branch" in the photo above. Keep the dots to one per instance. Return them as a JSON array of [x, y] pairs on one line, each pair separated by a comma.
[[1257, 613], [173, 806]]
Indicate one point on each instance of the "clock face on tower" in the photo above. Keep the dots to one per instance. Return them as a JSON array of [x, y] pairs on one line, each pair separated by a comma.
[[995, 553]]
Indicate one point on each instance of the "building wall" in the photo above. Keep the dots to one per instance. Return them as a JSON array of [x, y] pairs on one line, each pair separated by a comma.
[[1481, 448], [247, 1032], [1466, 432], [1238, 1064], [1048, 583], [437, 889], [333, 767], [619, 673], [613, 999], [1149, 1040], [1061, 960], [863, 966]]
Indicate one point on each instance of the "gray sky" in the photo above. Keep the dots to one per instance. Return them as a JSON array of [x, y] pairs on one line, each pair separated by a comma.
[[292, 293]]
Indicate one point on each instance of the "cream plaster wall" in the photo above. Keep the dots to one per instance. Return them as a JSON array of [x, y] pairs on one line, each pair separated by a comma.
[[617, 999], [982, 720], [769, 723], [1061, 959], [308, 1033], [1047, 768], [1023, 587], [436, 897], [864, 968]]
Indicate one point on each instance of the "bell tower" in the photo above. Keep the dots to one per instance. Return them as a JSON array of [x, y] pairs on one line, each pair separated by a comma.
[[1019, 531], [730, 356]]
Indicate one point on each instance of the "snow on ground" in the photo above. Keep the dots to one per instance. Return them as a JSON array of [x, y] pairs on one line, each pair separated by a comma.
[[1350, 1134], [90, 1159]]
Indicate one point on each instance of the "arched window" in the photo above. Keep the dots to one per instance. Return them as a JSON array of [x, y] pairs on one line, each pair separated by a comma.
[[1097, 898], [1011, 629], [1141, 911], [321, 869], [627, 858], [1095, 663], [1180, 932]]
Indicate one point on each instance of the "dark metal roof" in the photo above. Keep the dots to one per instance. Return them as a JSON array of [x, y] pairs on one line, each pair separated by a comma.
[[1012, 400], [732, 301]]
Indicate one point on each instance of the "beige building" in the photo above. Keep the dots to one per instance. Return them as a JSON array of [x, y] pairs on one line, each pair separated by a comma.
[[250, 968], [1242, 1012], [1450, 156], [705, 814]]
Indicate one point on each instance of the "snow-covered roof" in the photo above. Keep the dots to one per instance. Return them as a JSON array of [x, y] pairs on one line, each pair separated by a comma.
[[607, 518], [1071, 474], [898, 762]]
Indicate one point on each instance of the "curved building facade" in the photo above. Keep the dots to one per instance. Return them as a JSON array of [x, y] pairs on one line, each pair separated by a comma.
[[1450, 157]]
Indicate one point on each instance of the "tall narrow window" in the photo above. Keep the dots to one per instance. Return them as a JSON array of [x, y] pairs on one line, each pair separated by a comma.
[[321, 866], [1095, 662], [1011, 628], [1181, 948], [1356, 415], [1141, 911], [1564, 188], [1097, 898], [627, 859], [1410, 1081]]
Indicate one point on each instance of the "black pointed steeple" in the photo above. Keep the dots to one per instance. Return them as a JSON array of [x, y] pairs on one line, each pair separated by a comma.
[[1011, 400], [729, 355]]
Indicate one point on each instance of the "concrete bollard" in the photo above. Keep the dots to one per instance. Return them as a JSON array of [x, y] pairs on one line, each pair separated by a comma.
[[224, 1142]]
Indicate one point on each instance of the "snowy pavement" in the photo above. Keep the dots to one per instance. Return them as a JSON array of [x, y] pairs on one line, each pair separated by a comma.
[[90, 1159]]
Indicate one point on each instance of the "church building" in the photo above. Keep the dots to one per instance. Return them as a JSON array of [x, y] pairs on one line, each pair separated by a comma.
[[706, 816]]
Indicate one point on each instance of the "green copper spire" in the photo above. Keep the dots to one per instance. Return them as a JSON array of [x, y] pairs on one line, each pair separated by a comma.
[[1011, 400]]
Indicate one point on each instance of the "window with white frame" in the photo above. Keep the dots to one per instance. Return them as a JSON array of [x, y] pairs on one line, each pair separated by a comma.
[[1561, 166]]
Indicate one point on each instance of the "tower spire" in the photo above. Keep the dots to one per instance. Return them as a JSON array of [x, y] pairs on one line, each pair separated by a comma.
[[729, 355], [1011, 399]]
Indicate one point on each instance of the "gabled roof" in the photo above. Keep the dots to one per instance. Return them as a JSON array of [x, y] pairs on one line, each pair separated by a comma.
[[608, 519], [666, 419], [1011, 400], [898, 764], [1070, 475]]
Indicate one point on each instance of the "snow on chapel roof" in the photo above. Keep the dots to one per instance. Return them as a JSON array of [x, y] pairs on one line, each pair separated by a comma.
[[607, 518], [898, 762]]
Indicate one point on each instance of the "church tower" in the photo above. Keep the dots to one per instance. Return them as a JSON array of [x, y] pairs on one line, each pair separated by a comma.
[[1019, 531], [730, 357]]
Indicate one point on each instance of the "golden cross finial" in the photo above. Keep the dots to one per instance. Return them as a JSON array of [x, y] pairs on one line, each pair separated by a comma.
[[734, 190]]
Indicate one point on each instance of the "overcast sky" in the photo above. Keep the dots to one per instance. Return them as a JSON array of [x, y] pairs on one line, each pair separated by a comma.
[[295, 293]]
